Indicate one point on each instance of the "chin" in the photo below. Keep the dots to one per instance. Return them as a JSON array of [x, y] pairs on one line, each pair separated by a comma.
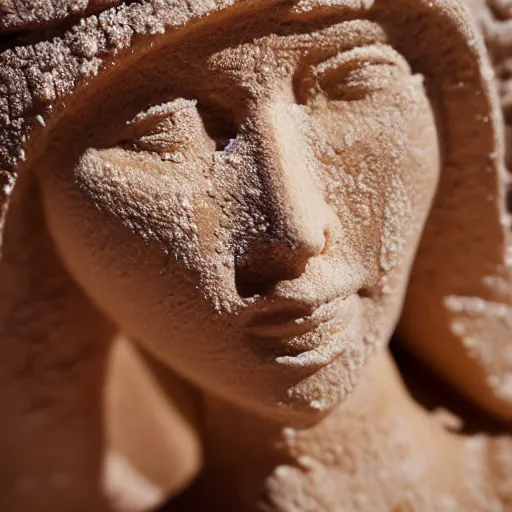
[[310, 399], [301, 388]]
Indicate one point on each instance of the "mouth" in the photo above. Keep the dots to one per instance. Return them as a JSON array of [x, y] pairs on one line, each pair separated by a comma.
[[297, 328]]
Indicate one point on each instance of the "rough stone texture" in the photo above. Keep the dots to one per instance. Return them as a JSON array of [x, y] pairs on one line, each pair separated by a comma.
[[22, 15], [129, 228], [493, 17], [36, 79]]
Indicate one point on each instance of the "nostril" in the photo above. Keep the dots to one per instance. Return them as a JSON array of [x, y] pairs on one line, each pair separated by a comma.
[[253, 278], [258, 271], [365, 293], [248, 289]]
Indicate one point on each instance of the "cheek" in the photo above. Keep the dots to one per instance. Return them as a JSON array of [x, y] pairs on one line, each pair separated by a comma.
[[130, 239], [379, 167]]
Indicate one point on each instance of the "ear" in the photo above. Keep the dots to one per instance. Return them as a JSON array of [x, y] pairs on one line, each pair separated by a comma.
[[458, 311]]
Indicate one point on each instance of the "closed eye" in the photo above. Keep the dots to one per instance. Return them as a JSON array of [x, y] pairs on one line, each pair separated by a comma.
[[354, 74], [175, 126], [160, 128]]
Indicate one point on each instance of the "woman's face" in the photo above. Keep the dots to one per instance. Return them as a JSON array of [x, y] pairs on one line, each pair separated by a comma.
[[253, 222]]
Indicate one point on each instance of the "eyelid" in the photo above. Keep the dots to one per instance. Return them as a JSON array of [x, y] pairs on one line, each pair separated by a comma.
[[170, 126], [360, 57], [155, 114], [158, 128], [339, 66]]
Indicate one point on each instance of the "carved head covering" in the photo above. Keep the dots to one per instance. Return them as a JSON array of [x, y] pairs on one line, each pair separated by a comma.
[[457, 312]]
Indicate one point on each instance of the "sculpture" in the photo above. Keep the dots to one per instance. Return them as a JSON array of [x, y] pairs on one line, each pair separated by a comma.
[[251, 222]]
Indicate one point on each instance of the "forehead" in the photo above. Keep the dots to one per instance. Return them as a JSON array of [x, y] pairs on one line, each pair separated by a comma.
[[265, 39], [279, 54], [298, 39], [179, 59]]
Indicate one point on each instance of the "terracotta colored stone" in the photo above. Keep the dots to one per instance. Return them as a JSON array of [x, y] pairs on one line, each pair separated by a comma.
[[255, 194]]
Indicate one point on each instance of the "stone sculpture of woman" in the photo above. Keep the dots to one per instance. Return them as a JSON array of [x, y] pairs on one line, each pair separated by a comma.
[[255, 192]]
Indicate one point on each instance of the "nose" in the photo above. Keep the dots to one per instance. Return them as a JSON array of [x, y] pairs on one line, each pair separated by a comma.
[[291, 201]]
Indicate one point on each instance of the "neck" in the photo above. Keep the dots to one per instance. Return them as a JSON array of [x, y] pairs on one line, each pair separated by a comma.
[[256, 464]]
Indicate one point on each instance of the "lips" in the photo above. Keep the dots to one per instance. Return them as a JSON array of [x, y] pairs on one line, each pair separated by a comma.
[[292, 319]]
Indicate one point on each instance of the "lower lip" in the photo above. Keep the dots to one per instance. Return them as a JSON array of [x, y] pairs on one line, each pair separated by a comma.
[[334, 343]]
